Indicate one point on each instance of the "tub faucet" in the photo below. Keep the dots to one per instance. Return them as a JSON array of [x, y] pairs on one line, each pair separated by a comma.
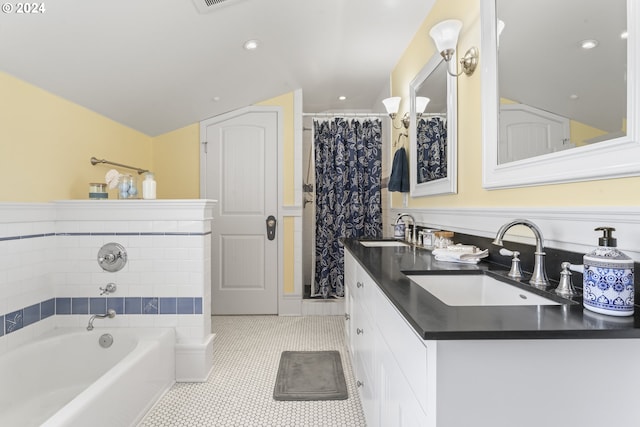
[[539, 276], [111, 313], [413, 222]]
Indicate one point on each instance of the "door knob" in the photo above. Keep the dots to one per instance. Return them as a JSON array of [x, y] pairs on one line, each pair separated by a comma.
[[271, 227]]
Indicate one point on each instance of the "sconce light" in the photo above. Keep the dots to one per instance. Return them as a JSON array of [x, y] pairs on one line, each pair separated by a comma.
[[421, 105], [393, 105], [445, 36]]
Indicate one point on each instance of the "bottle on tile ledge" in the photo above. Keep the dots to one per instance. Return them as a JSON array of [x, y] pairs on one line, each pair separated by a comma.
[[149, 187], [608, 278]]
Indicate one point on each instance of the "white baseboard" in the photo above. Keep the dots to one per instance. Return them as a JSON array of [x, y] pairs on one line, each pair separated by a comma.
[[321, 307], [290, 305]]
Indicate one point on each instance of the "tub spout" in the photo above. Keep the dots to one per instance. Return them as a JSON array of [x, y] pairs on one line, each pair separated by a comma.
[[111, 313]]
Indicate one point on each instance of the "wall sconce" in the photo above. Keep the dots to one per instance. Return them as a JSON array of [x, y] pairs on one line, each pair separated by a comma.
[[393, 105], [421, 105], [445, 36]]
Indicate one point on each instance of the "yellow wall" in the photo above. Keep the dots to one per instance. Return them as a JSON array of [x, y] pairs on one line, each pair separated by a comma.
[[470, 192], [580, 132], [176, 160], [46, 143]]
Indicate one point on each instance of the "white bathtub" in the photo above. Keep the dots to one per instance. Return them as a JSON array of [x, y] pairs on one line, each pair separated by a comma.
[[68, 379]]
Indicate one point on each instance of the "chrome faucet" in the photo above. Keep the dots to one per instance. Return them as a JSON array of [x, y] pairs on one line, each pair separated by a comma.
[[539, 277], [111, 313], [413, 221]]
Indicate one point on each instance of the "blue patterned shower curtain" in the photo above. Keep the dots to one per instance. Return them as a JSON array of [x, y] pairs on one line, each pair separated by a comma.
[[348, 202], [432, 149]]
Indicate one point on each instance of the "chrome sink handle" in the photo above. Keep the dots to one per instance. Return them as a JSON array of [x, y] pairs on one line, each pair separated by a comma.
[[565, 286], [516, 268]]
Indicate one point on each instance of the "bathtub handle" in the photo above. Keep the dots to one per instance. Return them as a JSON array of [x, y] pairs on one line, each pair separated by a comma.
[[109, 289], [112, 257]]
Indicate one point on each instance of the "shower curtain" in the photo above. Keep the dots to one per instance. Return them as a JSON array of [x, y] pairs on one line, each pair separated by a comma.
[[348, 201], [432, 149]]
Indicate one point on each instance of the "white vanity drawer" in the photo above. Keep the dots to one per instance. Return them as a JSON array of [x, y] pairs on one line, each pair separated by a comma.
[[406, 346], [350, 266], [365, 290]]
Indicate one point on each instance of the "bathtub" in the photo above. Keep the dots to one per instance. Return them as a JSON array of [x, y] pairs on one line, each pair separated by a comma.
[[67, 378]]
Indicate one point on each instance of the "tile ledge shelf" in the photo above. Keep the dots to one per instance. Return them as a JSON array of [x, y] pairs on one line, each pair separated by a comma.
[[137, 209]]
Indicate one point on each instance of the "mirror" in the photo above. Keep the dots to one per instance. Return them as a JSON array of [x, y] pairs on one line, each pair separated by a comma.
[[557, 95], [552, 111], [433, 133]]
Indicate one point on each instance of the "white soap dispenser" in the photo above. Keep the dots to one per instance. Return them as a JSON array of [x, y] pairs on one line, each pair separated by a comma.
[[149, 187], [608, 278]]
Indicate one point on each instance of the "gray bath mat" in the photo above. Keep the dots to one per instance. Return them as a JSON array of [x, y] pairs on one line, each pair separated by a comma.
[[310, 375]]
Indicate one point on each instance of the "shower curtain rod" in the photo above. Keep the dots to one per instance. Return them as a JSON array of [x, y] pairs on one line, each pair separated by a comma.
[[328, 115], [95, 161]]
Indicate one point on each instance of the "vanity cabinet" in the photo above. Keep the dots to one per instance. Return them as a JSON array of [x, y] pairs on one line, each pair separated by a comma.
[[462, 380], [388, 358]]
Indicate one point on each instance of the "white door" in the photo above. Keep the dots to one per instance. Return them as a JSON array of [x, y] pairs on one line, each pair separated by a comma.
[[241, 173], [527, 132]]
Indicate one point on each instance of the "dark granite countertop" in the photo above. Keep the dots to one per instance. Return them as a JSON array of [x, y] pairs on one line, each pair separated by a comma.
[[434, 320]]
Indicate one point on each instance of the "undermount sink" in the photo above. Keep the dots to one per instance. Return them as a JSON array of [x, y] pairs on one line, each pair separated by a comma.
[[477, 290], [381, 243]]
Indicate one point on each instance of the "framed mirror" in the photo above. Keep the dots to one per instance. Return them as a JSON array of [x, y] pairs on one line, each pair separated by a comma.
[[433, 132], [552, 110]]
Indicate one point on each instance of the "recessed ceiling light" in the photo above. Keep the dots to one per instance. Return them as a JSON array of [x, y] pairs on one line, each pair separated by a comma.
[[251, 45], [342, 97], [215, 99], [573, 96], [588, 44], [624, 35]]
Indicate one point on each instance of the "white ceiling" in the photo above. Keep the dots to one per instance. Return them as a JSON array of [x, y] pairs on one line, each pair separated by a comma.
[[158, 65], [542, 65]]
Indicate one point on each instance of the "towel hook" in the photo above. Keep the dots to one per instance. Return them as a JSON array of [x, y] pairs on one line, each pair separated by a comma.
[[395, 144]]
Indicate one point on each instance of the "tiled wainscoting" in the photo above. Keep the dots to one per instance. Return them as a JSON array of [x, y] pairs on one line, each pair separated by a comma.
[[50, 276]]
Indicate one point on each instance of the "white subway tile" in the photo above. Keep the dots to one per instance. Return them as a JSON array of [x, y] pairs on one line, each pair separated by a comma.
[[166, 321], [165, 226]]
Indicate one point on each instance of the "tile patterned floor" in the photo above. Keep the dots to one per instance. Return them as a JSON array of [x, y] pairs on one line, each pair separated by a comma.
[[239, 392]]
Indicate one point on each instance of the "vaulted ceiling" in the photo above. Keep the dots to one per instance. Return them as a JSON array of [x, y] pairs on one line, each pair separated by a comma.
[[158, 65]]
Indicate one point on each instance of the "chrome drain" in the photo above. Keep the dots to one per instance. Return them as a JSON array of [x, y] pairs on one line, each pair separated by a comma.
[[105, 340]]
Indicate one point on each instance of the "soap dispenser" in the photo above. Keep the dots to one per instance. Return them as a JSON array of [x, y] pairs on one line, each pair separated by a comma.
[[608, 278]]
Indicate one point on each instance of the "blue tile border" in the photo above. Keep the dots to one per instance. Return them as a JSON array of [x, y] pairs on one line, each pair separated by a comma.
[[47, 308], [168, 306], [30, 315], [11, 322], [63, 306], [133, 305], [150, 305]]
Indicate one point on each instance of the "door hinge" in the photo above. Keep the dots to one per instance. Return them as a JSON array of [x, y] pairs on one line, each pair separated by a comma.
[[205, 146]]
